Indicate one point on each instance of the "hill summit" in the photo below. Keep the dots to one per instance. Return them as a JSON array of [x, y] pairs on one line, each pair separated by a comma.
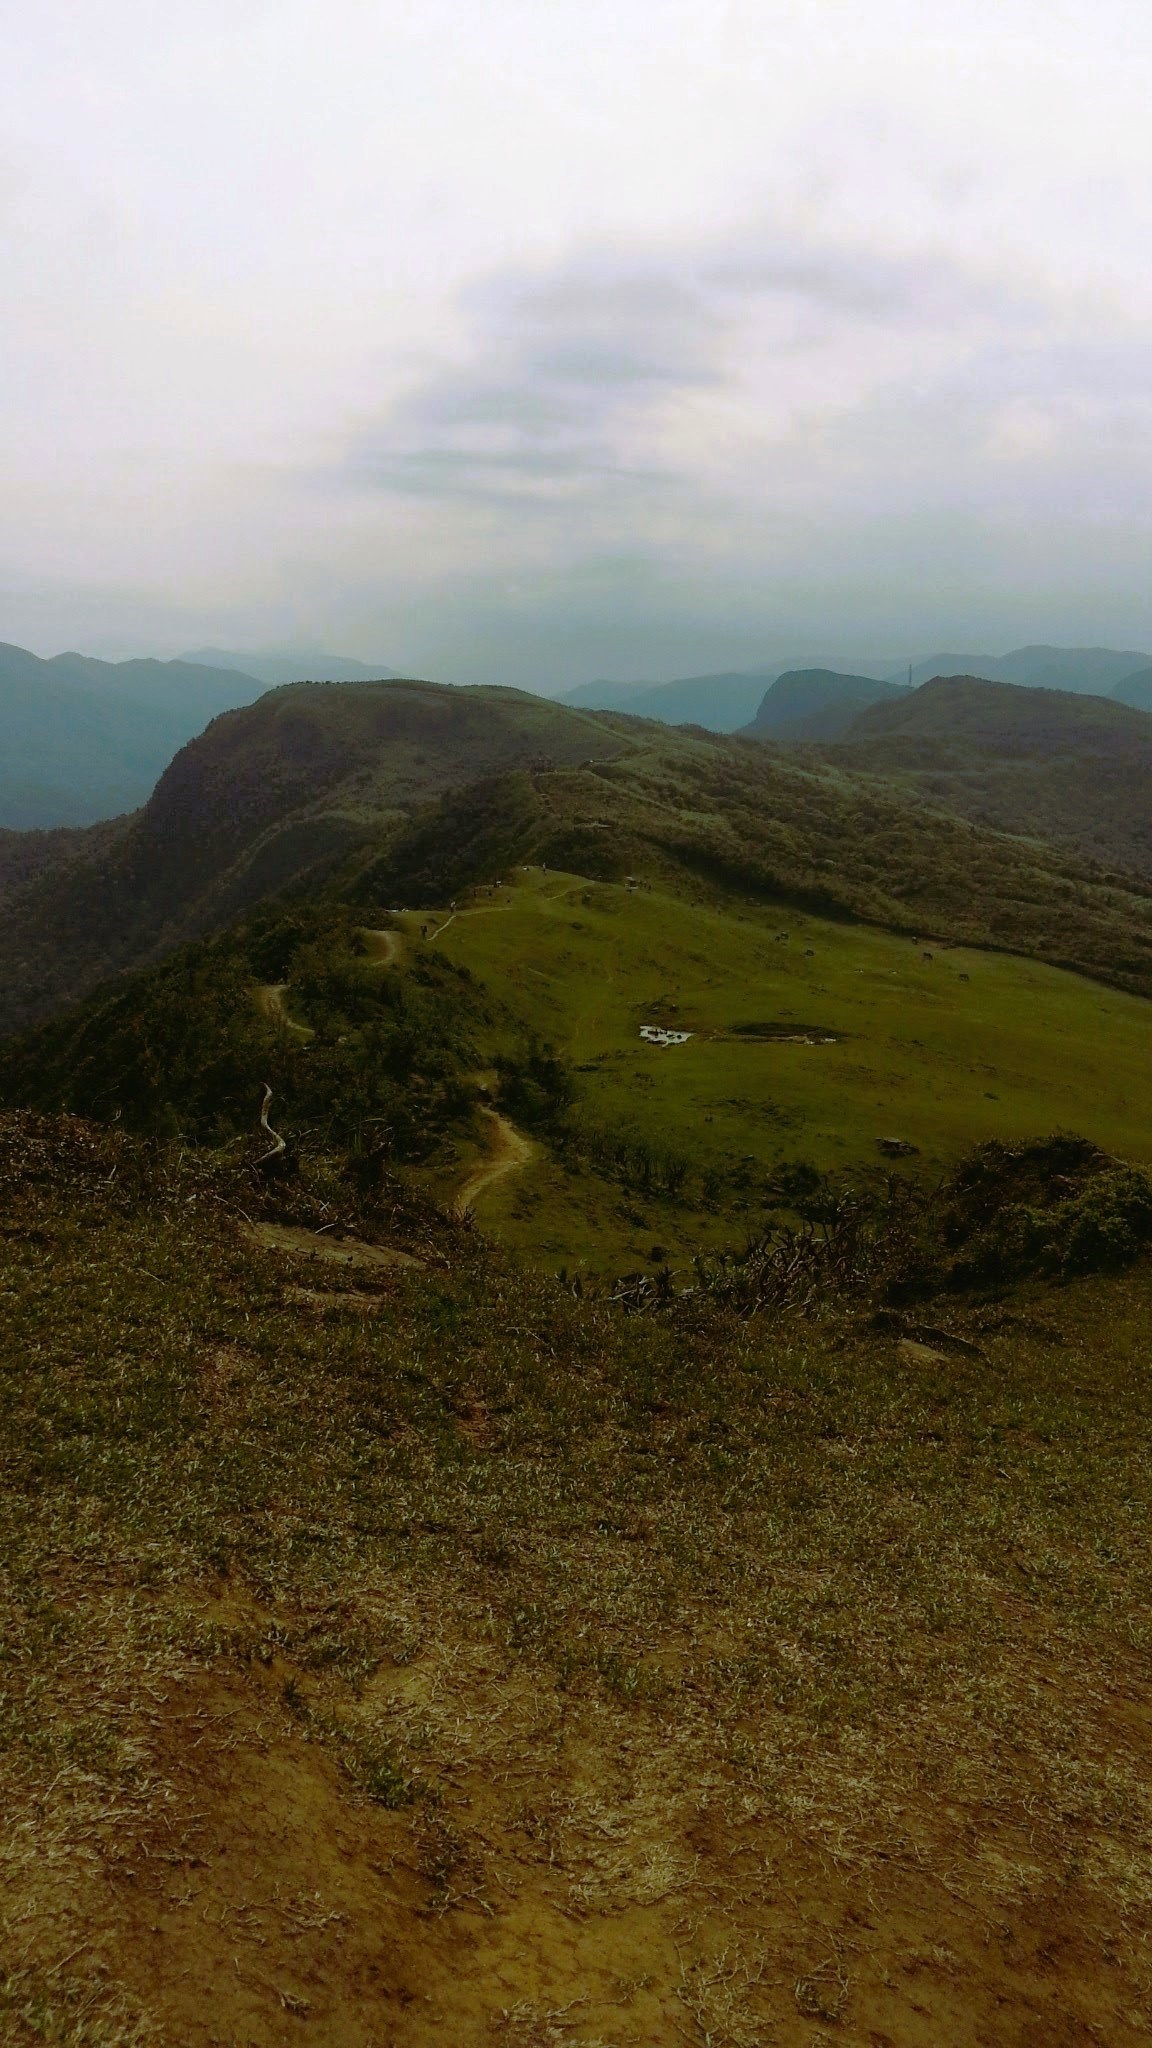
[[1005, 719], [816, 704], [1050, 764], [267, 795]]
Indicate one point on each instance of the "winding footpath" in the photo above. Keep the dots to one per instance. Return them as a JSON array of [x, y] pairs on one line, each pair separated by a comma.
[[383, 946], [511, 1151], [270, 997]]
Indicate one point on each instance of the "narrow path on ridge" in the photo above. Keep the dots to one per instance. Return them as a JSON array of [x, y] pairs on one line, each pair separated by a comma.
[[384, 947], [270, 997], [511, 1150]]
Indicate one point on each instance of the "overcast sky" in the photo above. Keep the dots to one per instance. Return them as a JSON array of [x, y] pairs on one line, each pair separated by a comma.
[[533, 340]]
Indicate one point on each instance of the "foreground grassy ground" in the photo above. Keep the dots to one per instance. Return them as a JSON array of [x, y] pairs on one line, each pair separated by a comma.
[[939, 1051], [424, 1656]]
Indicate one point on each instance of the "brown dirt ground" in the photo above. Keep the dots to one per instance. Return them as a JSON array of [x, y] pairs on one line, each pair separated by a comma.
[[564, 1886]]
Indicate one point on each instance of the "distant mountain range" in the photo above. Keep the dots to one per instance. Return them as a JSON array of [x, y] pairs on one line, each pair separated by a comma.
[[733, 701], [721, 703], [82, 740], [1085, 671], [725, 702], [275, 665]]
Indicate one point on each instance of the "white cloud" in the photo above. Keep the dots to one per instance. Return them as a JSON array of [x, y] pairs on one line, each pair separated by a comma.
[[434, 327]]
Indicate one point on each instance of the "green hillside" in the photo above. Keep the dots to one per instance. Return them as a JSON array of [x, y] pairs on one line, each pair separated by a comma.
[[716, 819], [814, 1041], [26, 857], [408, 792], [264, 798], [1053, 765], [937, 1052], [779, 910], [1005, 719], [816, 704]]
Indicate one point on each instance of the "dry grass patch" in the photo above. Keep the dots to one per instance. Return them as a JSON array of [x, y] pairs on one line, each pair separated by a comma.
[[501, 1668]]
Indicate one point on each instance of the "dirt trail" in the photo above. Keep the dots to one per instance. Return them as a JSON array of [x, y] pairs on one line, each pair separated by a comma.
[[510, 1151], [383, 946], [383, 950], [270, 997]]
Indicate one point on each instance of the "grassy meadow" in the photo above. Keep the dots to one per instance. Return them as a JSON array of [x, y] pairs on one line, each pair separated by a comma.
[[940, 1052]]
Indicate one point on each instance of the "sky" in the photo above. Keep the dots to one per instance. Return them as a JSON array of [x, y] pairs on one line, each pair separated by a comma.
[[530, 341]]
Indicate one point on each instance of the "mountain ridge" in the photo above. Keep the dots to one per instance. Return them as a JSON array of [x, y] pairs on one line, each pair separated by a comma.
[[1079, 671], [1056, 765], [715, 700], [1028, 717], [267, 794], [275, 665], [412, 791], [815, 704]]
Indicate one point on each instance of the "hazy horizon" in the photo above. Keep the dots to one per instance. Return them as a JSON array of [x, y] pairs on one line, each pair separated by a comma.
[[606, 340], [313, 660]]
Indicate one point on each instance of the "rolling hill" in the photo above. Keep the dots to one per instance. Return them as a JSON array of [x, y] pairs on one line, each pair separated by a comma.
[[1004, 718], [1084, 671], [413, 792], [812, 1042], [816, 704], [1047, 763], [266, 795], [291, 825]]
